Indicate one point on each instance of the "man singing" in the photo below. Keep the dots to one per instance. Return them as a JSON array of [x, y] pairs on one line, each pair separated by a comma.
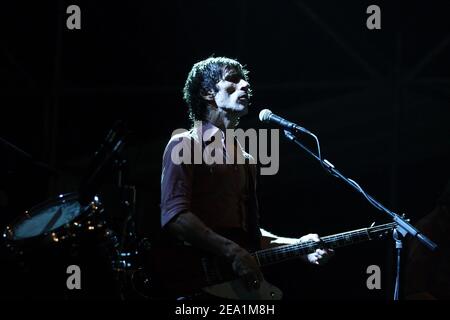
[[200, 201]]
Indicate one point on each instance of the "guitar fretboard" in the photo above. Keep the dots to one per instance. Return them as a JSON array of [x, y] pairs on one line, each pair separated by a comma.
[[287, 252]]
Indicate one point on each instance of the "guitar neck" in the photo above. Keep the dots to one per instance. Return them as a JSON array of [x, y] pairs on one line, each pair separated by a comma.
[[287, 252]]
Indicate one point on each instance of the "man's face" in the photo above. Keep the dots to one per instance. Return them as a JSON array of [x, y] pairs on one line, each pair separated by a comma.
[[233, 93]]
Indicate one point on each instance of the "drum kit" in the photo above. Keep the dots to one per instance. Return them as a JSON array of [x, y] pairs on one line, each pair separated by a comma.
[[75, 229]]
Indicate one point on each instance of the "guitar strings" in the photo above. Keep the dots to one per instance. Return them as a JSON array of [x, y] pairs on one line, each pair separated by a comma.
[[302, 248]]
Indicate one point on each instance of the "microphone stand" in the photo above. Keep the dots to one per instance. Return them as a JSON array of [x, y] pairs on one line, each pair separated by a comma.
[[403, 227]]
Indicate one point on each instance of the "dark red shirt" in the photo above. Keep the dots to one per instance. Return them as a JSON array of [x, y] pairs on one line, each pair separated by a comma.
[[221, 195]]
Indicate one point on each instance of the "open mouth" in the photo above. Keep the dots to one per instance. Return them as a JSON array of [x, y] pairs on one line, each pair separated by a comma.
[[243, 99]]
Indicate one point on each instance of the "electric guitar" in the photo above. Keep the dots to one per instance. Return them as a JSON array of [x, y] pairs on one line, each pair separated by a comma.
[[185, 270]]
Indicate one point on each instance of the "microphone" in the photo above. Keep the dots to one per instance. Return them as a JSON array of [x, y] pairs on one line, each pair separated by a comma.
[[268, 116]]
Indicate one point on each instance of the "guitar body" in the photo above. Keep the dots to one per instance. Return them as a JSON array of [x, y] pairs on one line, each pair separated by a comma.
[[182, 270], [185, 271], [236, 290]]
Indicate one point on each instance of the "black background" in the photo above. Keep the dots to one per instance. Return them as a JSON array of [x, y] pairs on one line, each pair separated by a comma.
[[377, 99]]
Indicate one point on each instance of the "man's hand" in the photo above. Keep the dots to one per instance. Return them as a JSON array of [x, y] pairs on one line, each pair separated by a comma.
[[320, 256], [245, 266]]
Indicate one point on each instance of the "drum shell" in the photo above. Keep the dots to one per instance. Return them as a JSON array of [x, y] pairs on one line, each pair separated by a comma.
[[91, 220], [42, 260]]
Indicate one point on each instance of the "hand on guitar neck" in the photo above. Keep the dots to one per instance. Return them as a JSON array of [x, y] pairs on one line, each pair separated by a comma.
[[319, 257]]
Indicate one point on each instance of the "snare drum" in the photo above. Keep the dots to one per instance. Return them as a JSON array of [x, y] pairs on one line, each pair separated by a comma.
[[55, 221], [60, 232]]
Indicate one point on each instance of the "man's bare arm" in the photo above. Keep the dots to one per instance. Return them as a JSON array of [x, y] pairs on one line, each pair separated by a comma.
[[188, 227]]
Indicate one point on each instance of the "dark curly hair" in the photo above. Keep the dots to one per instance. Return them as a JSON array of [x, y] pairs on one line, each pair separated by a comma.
[[203, 78]]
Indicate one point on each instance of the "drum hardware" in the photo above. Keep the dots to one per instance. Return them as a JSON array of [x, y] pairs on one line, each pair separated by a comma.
[[25, 155], [127, 261], [62, 228], [105, 160], [70, 227]]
